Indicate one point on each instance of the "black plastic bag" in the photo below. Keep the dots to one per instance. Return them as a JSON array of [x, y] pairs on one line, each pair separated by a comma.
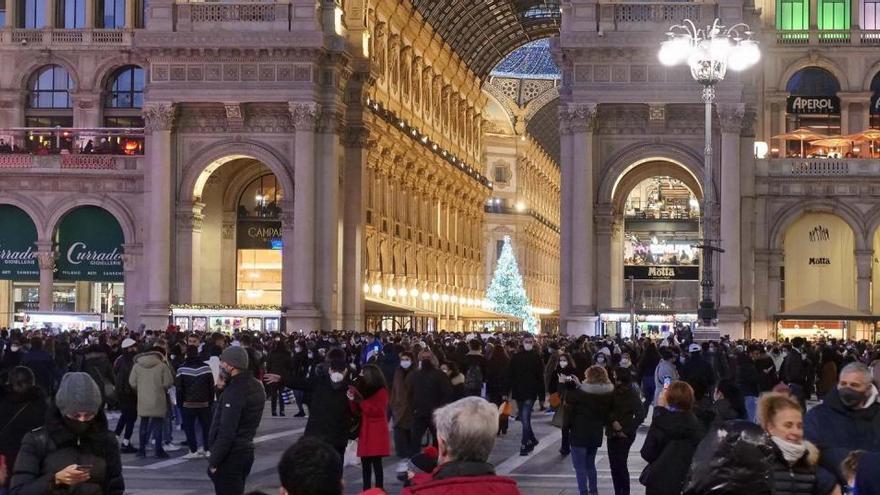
[[734, 459]]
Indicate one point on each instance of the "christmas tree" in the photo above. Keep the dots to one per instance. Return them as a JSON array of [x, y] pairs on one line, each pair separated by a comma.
[[506, 292]]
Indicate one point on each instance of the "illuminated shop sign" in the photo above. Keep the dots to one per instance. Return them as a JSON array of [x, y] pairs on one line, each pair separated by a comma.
[[259, 234], [813, 104], [657, 272]]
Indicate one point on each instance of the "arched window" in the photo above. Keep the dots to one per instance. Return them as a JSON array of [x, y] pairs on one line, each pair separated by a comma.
[[813, 105], [259, 242], [125, 97], [874, 109], [49, 103], [261, 199]]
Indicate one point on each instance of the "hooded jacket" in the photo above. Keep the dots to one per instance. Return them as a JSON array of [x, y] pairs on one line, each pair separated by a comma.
[[53, 447], [587, 413], [837, 430], [669, 448], [151, 378]]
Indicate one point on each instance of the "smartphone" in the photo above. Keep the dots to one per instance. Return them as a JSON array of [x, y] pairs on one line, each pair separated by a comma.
[[666, 382], [84, 467]]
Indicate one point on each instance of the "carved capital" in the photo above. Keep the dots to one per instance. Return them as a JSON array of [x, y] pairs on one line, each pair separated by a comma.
[[188, 221], [304, 115], [228, 230], [731, 117], [46, 260], [356, 137], [158, 116], [578, 117], [128, 262]]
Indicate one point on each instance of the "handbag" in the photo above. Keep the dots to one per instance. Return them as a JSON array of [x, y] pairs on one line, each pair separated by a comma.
[[505, 409], [354, 430], [554, 400], [558, 419]]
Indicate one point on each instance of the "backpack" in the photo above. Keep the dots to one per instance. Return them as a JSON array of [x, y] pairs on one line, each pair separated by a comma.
[[473, 380]]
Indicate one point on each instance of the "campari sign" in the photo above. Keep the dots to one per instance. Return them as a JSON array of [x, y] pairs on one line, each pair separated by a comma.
[[18, 251], [89, 245]]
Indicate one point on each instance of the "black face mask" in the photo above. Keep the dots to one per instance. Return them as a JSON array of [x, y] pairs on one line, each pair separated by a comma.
[[77, 427], [850, 398]]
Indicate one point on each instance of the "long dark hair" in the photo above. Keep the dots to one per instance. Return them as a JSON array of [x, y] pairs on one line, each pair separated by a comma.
[[371, 381]]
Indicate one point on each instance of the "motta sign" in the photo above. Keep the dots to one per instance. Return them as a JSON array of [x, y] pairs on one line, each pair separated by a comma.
[[18, 237], [813, 104], [89, 246], [660, 272], [819, 261], [259, 234]]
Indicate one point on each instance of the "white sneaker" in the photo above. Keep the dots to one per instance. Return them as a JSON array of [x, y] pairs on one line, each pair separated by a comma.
[[170, 447], [193, 455], [207, 454]]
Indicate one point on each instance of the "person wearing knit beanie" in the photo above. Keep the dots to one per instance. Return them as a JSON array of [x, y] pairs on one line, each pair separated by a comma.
[[78, 393]]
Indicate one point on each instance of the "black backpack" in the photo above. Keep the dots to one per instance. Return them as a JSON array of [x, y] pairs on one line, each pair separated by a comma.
[[473, 379]]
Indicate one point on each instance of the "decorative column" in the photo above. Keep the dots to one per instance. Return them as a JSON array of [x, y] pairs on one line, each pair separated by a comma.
[[189, 247], [298, 255], [579, 316], [90, 14], [730, 308], [131, 282], [864, 259], [353, 221], [605, 275], [46, 260], [328, 281], [158, 121], [50, 9], [775, 261]]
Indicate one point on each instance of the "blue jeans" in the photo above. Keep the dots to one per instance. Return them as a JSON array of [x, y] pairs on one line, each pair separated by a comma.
[[525, 417], [648, 389], [751, 407], [584, 461]]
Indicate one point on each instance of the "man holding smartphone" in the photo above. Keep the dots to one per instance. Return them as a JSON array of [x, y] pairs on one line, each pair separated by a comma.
[[665, 373]]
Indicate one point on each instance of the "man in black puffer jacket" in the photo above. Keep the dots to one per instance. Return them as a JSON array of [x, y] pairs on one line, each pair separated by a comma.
[[526, 381], [74, 452], [238, 415]]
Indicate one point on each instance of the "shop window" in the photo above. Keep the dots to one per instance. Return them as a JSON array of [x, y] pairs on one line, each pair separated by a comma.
[[870, 14], [32, 14], [72, 14], [259, 243], [834, 14], [792, 15], [812, 105]]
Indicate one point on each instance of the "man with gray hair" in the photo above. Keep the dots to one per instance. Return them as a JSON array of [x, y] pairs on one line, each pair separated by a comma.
[[466, 436], [847, 420]]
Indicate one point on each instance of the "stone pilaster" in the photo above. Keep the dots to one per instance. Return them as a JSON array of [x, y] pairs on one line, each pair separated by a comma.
[[730, 287]]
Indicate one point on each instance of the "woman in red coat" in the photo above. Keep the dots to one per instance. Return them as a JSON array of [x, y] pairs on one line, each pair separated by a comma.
[[369, 399]]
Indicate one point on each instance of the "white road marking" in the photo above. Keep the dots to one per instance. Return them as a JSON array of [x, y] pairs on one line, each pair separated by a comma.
[[516, 460]]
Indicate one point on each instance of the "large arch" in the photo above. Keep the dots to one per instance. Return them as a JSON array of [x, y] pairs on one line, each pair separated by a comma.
[[814, 61], [637, 154], [30, 206], [200, 167], [652, 168], [119, 210], [782, 221]]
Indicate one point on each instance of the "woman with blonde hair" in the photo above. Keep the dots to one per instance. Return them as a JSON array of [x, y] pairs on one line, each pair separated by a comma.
[[587, 410], [795, 460]]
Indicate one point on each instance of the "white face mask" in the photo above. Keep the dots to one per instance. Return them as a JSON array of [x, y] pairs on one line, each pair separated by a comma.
[[625, 363], [14, 348], [406, 364], [528, 347], [563, 364], [336, 377]]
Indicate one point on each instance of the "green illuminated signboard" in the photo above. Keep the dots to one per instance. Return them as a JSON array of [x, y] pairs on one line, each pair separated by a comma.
[[18, 250]]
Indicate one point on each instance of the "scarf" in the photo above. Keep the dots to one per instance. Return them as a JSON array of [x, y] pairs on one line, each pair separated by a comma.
[[792, 452]]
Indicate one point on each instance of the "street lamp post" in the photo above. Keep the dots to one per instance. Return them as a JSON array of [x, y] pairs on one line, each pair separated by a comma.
[[709, 53]]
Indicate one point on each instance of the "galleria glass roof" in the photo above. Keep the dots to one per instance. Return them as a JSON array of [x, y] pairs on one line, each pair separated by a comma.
[[530, 61]]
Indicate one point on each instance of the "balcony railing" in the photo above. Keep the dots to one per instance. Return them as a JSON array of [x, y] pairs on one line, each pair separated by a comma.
[[63, 141], [819, 167], [828, 37], [256, 16], [70, 162], [49, 37], [640, 16]]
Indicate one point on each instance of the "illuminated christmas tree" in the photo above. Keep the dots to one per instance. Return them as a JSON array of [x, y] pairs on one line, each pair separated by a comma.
[[506, 292]]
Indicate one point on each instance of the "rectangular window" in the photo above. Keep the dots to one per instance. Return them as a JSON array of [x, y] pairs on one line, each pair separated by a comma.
[[499, 245], [34, 14], [834, 15], [870, 14], [74, 12], [113, 14], [2, 13], [792, 15]]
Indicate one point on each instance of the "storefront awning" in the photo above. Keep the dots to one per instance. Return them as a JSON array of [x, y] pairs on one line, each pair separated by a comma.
[[825, 310], [468, 313], [378, 307]]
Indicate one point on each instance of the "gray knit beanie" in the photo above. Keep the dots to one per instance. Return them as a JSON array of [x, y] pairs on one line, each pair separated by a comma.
[[78, 393], [236, 357]]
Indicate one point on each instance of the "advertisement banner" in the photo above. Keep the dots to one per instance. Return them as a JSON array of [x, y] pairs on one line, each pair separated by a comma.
[[258, 234], [18, 249], [820, 263], [89, 245], [661, 272], [822, 105]]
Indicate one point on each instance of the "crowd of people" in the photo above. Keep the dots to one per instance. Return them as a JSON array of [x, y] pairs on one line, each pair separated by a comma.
[[725, 416]]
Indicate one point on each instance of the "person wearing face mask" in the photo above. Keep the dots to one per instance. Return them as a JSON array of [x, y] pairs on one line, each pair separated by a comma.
[[126, 395], [794, 460], [848, 419], [401, 410], [627, 413], [430, 389], [562, 381], [456, 379], [11, 356], [665, 372], [22, 408], [151, 378], [526, 379], [280, 362], [235, 422], [73, 452]]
